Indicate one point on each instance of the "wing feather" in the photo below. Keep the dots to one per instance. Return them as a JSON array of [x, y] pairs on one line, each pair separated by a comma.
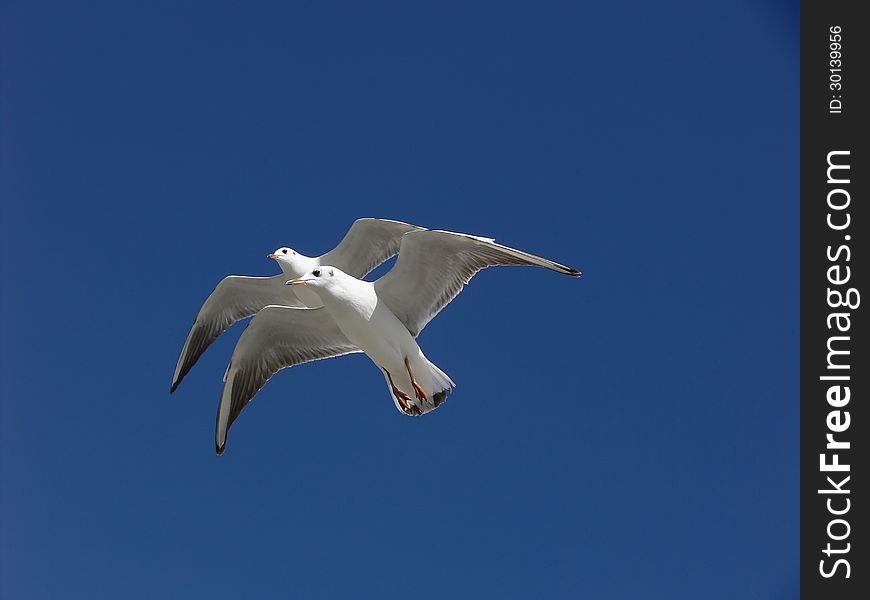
[[235, 298], [277, 338], [367, 244], [434, 266]]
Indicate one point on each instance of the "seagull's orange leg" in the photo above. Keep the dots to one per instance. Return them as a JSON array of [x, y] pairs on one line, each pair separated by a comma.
[[401, 397], [418, 391]]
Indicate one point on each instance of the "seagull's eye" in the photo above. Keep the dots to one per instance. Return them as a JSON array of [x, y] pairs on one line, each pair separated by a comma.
[[284, 250], [316, 272]]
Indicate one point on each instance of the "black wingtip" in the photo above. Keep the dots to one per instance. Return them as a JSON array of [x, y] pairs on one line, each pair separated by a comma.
[[220, 449], [574, 273], [173, 387]]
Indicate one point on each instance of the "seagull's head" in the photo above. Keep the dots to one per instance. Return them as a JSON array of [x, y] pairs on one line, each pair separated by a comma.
[[321, 278], [290, 261]]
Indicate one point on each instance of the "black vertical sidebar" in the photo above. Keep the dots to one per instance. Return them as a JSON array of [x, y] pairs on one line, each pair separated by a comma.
[[835, 300]]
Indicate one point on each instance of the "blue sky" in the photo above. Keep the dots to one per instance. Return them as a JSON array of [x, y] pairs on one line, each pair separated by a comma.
[[630, 434]]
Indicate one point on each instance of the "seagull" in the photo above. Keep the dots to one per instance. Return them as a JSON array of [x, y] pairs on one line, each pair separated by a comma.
[[380, 318], [367, 244]]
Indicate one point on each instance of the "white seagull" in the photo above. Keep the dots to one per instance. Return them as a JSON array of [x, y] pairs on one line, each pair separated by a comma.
[[380, 318], [367, 244]]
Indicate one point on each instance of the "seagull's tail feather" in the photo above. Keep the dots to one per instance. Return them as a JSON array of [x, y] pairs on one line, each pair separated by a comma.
[[436, 384], [441, 385]]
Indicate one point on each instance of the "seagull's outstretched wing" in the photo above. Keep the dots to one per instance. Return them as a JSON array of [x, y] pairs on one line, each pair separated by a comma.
[[278, 337], [433, 267], [368, 243], [234, 298]]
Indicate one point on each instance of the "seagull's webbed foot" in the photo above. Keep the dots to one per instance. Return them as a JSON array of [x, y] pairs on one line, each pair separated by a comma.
[[404, 401], [402, 398], [418, 391]]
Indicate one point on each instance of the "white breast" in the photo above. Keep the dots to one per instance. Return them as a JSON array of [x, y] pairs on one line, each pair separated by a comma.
[[369, 324]]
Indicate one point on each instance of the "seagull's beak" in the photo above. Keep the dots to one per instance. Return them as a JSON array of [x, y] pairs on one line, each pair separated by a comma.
[[273, 256], [297, 282]]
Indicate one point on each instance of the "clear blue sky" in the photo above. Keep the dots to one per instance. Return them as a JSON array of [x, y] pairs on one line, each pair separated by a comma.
[[633, 434]]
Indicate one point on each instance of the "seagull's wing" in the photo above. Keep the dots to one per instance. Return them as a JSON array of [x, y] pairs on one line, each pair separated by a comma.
[[433, 267], [368, 243], [233, 299], [277, 338]]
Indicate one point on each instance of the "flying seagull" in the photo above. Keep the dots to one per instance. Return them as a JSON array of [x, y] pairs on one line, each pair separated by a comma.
[[367, 244], [380, 318]]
